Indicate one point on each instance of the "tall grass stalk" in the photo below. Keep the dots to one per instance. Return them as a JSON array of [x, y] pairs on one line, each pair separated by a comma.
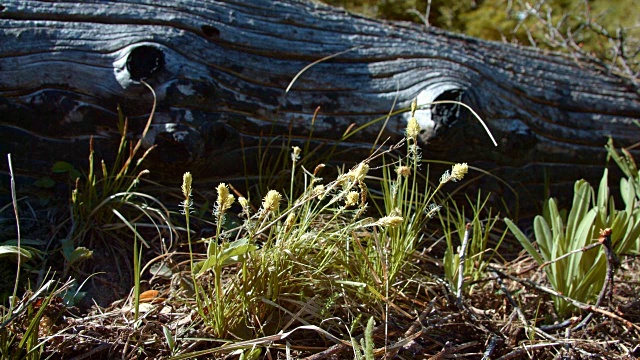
[[404, 197], [186, 209], [137, 258], [14, 201]]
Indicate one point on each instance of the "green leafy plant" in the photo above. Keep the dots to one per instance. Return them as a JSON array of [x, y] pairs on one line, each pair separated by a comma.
[[630, 184], [581, 275], [321, 242], [364, 350]]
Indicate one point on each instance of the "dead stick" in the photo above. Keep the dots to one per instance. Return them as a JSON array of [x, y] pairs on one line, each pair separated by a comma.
[[519, 312], [451, 350], [576, 303], [462, 258], [586, 248]]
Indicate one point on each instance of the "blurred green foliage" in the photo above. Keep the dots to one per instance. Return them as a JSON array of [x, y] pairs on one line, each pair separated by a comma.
[[591, 27]]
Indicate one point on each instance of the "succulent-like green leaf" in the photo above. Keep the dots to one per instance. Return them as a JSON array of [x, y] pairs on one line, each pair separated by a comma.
[[522, 238], [628, 194], [62, 167], [603, 192], [13, 251], [79, 254], [544, 237], [581, 199], [45, 182], [236, 249]]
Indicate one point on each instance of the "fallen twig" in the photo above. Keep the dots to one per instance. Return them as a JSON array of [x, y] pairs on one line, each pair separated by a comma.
[[450, 350], [612, 265], [583, 249], [576, 303], [462, 258], [519, 312], [491, 347]]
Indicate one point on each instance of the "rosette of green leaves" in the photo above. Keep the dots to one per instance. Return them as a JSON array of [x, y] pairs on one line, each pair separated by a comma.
[[581, 275]]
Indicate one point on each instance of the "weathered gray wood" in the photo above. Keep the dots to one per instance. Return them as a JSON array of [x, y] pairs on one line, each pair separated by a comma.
[[220, 69]]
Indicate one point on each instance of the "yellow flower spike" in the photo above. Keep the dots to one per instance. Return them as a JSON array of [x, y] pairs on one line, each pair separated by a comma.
[[243, 202], [390, 221], [458, 171], [187, 179], [351, 199], [225, 199], [413, 128], [403, 171], [187, 204], [359, 172], [291, 219], [271, 201]]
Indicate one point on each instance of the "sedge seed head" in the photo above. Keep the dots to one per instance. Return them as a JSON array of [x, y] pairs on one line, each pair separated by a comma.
[[295, 153], [291, 219], [403, 171], [433, 210], [351, 199], [413, 128], [318, 190], [390, 221], [187, 179], [271, 201], [359, 172], [187, 203], [445, 177], [225, 199], [459, 170]]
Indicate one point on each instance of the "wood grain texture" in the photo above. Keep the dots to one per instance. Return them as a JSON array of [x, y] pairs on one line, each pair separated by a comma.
[[220, 69]]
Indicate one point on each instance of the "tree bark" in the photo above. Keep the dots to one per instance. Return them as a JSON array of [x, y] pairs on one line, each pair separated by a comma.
[[220, 70]]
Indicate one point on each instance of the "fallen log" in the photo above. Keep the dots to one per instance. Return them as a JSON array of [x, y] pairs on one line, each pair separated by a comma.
[[221, 70]]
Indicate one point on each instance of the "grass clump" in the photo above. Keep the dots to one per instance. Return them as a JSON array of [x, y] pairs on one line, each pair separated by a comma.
[[270, 272], [475, 254], [106, 208]]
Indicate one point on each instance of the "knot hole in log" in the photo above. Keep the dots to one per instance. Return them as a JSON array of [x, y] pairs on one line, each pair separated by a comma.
[[435, 118], [144, 61], [447, 114], [210, 31]]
